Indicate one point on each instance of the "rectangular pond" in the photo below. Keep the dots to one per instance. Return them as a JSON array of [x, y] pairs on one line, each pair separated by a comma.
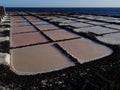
[[40, 23], [97, 23], [96, 30], [20, 24], [85, 50], [79, 24], [38, 59], [113, 26], [32, 18], [47, 27], [60, 34], [27, 39], [24, 29], [113, 38]]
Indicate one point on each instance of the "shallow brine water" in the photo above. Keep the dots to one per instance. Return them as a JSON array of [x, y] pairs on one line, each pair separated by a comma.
[[24, 29], [38, 59], [60, 34], [79, 24], [113, 38], [85, 50], [47, 27], [96, 30], [27, 38]]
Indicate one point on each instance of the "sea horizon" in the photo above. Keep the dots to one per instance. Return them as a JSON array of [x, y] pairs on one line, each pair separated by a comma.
[[108, 11]]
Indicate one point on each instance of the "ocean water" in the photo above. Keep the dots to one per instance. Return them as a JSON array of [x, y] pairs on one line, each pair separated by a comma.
[[97, 11]]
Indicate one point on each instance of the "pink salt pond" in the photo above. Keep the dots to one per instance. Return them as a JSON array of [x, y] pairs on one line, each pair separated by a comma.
[[60, 34], [85, 50], [38, 59], [20, 24], [27, 38], [17, 19], [47, 27], [24, 29], [32, 18]]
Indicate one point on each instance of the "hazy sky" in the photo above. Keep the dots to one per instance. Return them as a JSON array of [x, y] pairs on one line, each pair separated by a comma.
[[60, 3]]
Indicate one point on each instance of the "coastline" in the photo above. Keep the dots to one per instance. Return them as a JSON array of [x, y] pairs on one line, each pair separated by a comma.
[[97, 74]]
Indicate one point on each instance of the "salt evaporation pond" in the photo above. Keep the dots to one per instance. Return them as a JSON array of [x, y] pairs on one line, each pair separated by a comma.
[[79, 24], [97, 23], [38, 59], [82, 20], [20, 24], [60, 34], [96, 29], [27, 38], [85, 50], [113, 38], [40, 23], [24, 29], [66, 21], [58, 19], [17, 19], [48, 18], [113, 26], [113, 20], [31, 18], [47, 27]]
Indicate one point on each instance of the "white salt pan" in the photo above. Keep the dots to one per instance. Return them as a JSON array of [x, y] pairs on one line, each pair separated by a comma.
[[113, 38]]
